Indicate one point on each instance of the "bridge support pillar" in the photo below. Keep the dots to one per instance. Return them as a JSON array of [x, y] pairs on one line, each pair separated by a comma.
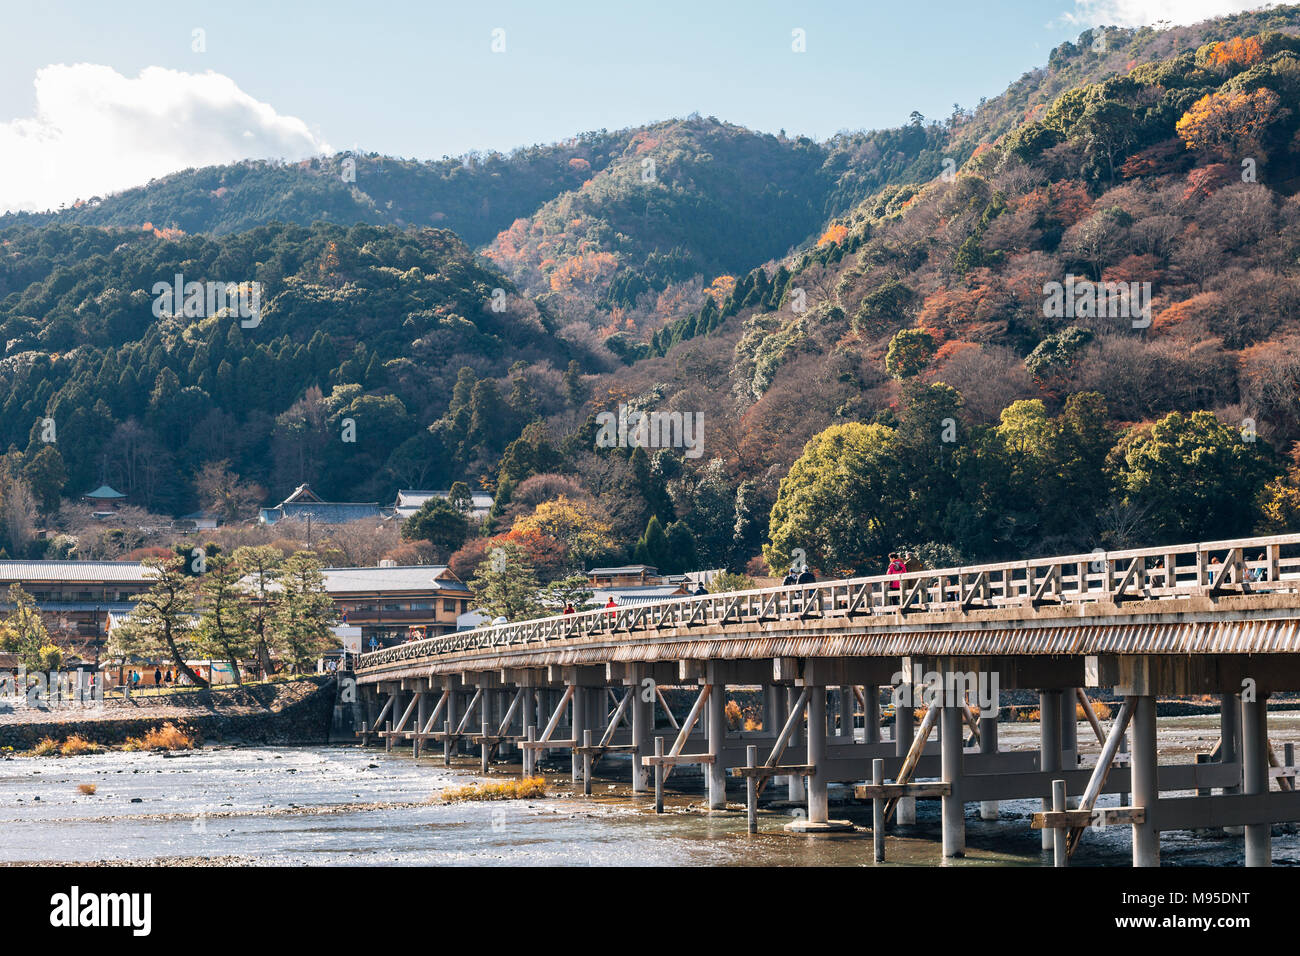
[[795, 784], [989, 745], [818, 795], [846, 712], [950, 743], [904, 731], [871, 714], [421, 715], [643, 719], [1230, 745], [1049, 746], [771, 711], [717, 731], [579, 721], [528, 716], [1146, 789], [1254, 743], [1070, 737], [398, 705]]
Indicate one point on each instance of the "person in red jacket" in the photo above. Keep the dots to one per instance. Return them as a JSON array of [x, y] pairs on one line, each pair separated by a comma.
[[896, 568]]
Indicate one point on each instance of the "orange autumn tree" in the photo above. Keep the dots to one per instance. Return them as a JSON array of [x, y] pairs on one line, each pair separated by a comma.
[[1235, 54], [720, 288], [836, 233], [1231, 125]]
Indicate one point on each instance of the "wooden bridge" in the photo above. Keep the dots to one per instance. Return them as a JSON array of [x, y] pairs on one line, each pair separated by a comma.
[[1219, 618]]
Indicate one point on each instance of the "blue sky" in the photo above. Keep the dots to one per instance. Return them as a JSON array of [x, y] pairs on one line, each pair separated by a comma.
[[421, 79]]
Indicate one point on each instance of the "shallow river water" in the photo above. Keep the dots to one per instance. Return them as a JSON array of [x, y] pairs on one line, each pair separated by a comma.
[[342, 805]]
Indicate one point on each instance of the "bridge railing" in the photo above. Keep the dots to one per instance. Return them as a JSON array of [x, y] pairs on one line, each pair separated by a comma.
[[1247, 565]]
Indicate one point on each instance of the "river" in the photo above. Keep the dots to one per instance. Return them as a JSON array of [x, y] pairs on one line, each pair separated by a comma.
[[287, 806]]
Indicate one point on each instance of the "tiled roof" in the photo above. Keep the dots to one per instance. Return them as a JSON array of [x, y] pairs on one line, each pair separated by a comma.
[[118, 571], [406, 578], [326, 512]]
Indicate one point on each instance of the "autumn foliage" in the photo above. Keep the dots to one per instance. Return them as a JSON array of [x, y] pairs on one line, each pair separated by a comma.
[[836, 233], [1230, 124]]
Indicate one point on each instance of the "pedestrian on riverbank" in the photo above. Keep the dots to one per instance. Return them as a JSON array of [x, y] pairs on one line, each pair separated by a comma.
[[157, 677]]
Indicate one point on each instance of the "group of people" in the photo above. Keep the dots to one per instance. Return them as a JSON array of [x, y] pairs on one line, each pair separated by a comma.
[[798, 575], [159, 678], [901, 562]]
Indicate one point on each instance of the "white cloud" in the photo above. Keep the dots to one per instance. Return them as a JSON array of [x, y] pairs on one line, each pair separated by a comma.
[[95, 131], [1138, 13]]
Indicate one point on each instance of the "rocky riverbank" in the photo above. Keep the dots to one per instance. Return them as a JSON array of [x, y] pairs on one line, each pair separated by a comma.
[[296, 712]]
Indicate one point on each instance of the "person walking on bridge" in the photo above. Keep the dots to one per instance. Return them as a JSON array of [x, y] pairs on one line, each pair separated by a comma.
[[806, 576], [895, 570]]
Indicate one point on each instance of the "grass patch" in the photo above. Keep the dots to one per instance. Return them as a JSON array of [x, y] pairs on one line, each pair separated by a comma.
[[522, 789], [48, 747], [168, 737], [77, 745], [87, 788]]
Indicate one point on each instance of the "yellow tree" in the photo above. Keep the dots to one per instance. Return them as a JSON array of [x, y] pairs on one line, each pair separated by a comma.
[[1231, 125], [572, 521]]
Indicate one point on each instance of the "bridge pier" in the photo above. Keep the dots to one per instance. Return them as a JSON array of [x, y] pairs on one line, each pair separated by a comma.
[[954, 813], [795, 784], [643, 720], [989, 745], [421, 715], [1146, 792], [1254, 739], [578, 722], [1070, 736], [904, 731], [871, 713], [717, 733], [1049, 747], [1230, 738]]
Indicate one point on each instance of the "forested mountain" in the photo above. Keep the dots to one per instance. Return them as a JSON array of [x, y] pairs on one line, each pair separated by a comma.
[[364, 323], [862, 325]]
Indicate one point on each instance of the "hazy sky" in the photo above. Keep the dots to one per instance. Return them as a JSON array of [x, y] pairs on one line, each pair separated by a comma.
[[98, 97]]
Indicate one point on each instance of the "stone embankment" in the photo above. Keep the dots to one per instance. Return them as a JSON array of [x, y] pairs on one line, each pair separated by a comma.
[[296, 712]]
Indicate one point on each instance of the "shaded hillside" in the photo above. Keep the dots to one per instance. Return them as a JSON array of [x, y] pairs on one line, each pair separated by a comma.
[[369, 324]]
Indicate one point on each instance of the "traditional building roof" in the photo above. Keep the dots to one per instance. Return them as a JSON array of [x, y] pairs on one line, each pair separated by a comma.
[[409, 502], [425, 577], [118, 572], [305, 503], [104, 493]]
